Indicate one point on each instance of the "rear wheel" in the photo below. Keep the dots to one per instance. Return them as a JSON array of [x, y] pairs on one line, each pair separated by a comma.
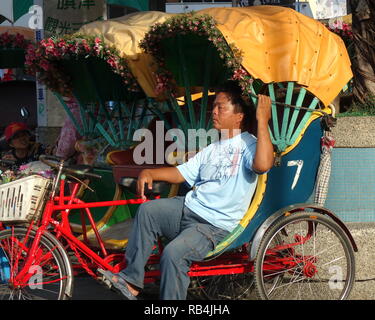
[[314, 260], [49, 277]]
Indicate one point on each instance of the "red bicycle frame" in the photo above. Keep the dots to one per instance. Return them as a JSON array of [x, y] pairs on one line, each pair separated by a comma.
[[62, 229], [227, 263]]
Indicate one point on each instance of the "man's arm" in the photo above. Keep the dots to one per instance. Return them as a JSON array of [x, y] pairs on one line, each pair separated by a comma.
[[168, 174], [264, 157], [9, 161]]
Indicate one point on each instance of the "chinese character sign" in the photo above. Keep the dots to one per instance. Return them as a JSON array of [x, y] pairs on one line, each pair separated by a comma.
[[67, 16]]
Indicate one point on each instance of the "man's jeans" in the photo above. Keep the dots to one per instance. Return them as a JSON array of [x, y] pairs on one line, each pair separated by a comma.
[[190, 236]]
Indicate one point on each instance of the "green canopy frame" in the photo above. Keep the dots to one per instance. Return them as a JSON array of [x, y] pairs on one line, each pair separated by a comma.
[[107, 109]]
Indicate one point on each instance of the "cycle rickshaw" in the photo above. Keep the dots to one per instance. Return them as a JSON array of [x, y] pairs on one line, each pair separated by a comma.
[[289, 248]]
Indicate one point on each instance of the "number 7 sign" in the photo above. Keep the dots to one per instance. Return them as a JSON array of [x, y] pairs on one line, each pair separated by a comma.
[[299, 164]]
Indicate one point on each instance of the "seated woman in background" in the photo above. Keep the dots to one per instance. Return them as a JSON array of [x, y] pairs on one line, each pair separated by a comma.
[[23, 148]]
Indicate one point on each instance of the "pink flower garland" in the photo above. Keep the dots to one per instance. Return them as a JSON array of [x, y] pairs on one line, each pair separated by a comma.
[[343, 29], [41, 59], [201, 25], [10, 41]]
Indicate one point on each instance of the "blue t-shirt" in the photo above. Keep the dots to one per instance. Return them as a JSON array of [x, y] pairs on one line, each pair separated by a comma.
[[223, 180]]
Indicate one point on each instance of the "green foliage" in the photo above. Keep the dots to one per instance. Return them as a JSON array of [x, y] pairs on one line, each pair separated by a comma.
[[361, 109]]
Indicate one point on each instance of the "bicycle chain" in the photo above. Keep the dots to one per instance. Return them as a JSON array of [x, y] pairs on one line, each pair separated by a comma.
[[81, 260]]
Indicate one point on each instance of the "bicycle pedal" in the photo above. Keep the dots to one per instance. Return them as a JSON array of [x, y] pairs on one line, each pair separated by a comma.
[[106, 282]]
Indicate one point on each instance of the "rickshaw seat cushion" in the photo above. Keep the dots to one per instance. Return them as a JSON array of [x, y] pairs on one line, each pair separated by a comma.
[[125, 157], [120, 157], [130, 171], [115, 237]]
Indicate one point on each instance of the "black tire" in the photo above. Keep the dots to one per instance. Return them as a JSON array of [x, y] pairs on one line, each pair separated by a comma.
[[321, 268], [51, 270]]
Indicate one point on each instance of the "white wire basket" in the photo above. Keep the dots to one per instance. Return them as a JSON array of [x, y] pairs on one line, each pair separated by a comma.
[[22, 200]]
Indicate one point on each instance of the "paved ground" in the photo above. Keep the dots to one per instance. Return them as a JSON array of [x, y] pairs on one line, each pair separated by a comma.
[[86, 288], [362, 134], [364, 235], [364, 288], [361, 129]]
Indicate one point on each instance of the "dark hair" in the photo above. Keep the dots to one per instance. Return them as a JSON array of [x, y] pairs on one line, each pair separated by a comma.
[[242, 103]]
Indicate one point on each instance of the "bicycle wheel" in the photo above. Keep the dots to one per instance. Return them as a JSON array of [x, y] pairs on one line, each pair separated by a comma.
[[315, 260], [49, 277]]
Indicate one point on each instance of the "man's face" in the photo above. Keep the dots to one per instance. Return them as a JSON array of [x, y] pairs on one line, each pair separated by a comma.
[[223, 113], [20, 140]]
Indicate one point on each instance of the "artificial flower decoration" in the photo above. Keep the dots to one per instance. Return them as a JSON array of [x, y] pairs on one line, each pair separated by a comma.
[[344, 30], [10, 41], [12, 51], [44, 59], [201, 25]]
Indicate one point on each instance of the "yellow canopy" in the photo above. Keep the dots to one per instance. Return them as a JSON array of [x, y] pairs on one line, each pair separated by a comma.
[[280, 44], [125, 33]]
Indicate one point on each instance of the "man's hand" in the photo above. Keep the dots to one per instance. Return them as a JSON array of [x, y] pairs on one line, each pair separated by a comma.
[[167, 174], [263, 112], [7, 161], [9, 157], [144, 177]]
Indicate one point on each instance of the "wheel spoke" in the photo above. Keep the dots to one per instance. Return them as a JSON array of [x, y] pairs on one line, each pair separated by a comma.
[[47, 276]]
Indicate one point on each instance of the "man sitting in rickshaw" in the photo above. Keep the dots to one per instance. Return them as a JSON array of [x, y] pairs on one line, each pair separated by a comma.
[[224, 177]]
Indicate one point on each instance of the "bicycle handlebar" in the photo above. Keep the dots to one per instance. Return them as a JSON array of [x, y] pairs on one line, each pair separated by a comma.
[[7, 162], [46, 157], [82, 173], [79, 171]]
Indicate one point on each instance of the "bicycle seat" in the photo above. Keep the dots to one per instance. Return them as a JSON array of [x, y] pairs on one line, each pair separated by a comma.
[[158, 187]]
